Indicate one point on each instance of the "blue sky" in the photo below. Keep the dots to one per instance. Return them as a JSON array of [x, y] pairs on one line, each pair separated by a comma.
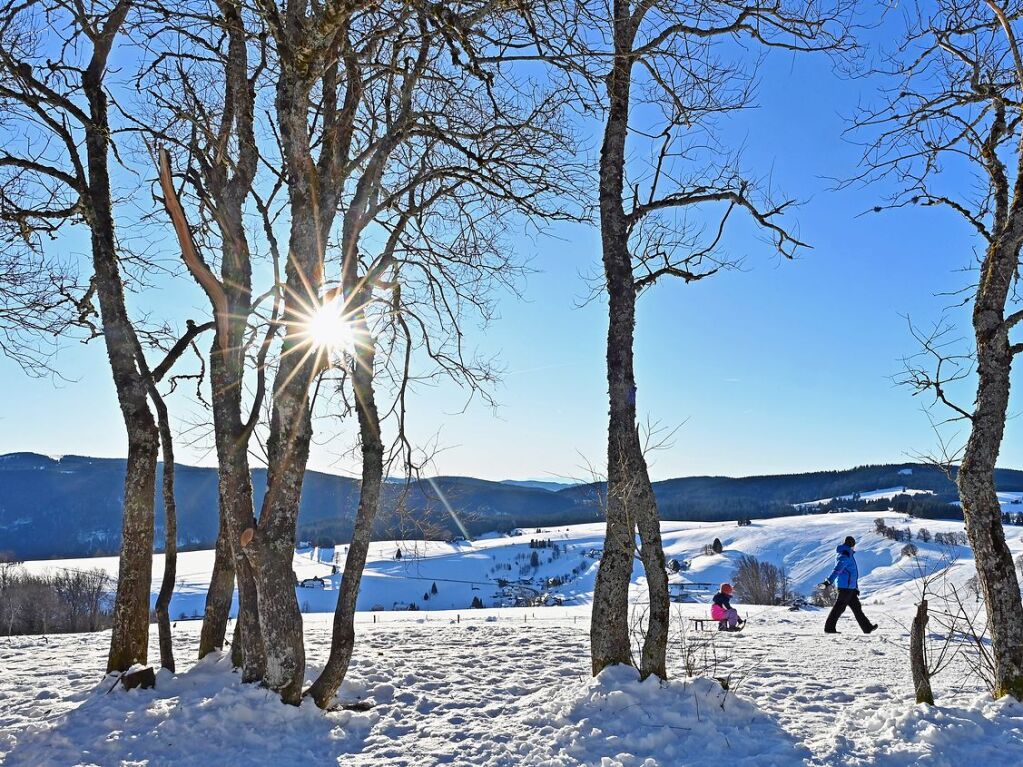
[[778, 367]]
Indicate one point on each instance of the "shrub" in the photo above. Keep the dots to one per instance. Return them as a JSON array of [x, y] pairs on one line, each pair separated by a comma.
[[760, 583], [70, 601], [824, 597]]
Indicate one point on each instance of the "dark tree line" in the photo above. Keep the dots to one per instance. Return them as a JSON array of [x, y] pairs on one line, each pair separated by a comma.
[[65, 601]]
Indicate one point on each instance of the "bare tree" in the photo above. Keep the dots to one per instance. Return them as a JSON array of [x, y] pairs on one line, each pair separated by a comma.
[[326, 49], [672, 58], [37, 293], [204, 89], [67, 600], [958, 83], [63, 160], [57, 173], [460, 153], [760, 583], [83, 594], [170, 546]]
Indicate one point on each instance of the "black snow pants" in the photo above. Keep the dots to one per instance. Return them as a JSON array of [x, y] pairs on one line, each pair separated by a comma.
[[848, 598]]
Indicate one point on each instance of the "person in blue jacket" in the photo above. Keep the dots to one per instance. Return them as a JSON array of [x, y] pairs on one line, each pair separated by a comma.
[[846, 577]]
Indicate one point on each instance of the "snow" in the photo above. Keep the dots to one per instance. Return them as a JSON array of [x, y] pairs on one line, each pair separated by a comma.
[[494, 690], [508, 687], [884, 494], [587, 721], [803, 544], [1010, 502], [921, 735]]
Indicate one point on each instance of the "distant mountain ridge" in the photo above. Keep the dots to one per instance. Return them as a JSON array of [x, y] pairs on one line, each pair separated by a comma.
[[539, 484], [71, 505]]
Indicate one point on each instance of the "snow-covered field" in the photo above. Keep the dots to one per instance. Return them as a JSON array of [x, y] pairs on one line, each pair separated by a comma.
[[803, 544], [500, 690], [506, 687], [884, 494]]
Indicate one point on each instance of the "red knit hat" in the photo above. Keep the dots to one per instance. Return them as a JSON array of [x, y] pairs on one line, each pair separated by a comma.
[[726, 588]]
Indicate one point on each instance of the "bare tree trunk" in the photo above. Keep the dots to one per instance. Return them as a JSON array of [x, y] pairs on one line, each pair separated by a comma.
[[129, 642], [227, 185], [609, 622], [252, 657], [220, 593], [630, 499], [272, 546], [918, 656], [654, 658], [313, 204], [342, 644], [236, 500], [170, 549], [976, 478]]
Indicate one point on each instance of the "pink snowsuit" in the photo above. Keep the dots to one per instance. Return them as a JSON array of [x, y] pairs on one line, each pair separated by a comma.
[[721, 613]]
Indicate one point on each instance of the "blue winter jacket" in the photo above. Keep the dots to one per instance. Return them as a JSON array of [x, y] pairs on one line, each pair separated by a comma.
[[845, 575]]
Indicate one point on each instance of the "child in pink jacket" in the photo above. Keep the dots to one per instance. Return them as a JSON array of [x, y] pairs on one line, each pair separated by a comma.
[[723, 612]]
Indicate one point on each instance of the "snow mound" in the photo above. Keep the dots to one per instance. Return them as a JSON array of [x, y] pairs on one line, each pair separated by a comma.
[[616, 720], [985, 731], [194, 719]]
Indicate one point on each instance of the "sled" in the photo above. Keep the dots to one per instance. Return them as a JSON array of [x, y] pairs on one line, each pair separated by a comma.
[[709, 624]]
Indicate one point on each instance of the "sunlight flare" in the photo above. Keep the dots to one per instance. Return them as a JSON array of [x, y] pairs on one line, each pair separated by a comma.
[[328, 329]]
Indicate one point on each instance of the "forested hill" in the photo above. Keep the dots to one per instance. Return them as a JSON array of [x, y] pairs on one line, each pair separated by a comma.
[[72, 506]]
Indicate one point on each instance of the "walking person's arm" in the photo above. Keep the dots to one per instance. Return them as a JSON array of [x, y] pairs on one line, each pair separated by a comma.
[[839, 569]]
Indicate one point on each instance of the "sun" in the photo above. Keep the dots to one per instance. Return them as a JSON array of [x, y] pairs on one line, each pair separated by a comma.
[[328, 330]]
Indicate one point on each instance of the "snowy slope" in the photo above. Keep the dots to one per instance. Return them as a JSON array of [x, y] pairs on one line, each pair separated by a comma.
[[510, 687], [1011, 503], [494, 690], [884, 494], [804, 545]]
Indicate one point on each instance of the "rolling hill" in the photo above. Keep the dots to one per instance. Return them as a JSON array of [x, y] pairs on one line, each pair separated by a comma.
[[71, 506]]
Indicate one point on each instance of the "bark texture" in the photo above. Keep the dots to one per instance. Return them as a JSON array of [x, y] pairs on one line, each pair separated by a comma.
[[976, 477], [630, 500], [170, 550], [314, 189], [232, 433], [272, 547], [227, 184], [129, 643], [918, 656], [327, 684], [220, 593]]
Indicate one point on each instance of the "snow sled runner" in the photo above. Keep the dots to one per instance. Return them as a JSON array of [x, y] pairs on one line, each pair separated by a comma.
[[723, 626]]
